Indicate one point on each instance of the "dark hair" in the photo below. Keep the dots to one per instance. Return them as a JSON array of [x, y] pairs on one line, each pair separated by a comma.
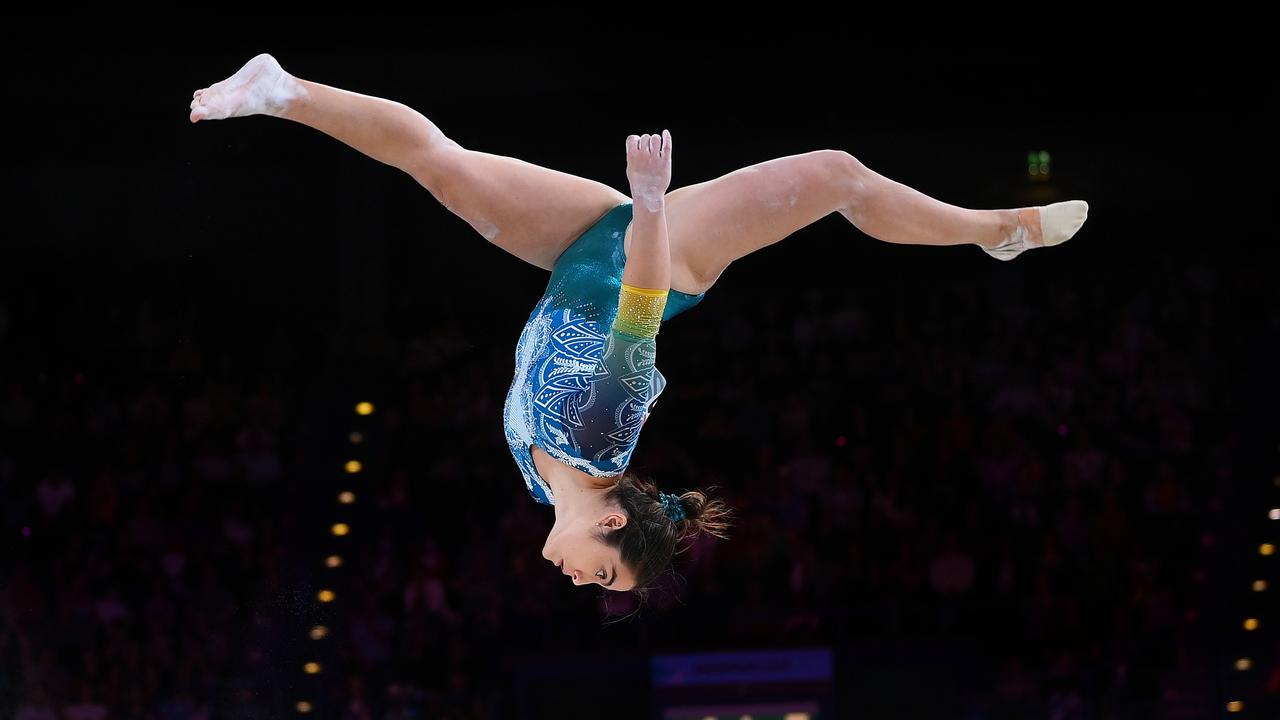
[[648, 541]]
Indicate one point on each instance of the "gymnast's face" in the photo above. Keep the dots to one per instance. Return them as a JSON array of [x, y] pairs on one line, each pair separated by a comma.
[[572, 547]]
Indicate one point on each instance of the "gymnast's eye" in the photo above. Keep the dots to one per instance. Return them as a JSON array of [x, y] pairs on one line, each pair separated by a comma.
[[600, 574]]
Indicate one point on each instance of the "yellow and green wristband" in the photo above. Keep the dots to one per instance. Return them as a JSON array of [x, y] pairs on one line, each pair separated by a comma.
[[640, 311]]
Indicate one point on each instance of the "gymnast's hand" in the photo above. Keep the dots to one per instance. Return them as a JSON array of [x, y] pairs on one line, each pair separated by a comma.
[[649, 168]]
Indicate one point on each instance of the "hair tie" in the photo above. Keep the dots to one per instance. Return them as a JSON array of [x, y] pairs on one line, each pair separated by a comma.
[[671, 503]]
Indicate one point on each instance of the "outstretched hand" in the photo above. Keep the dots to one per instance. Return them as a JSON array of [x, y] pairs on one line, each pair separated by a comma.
[[649, 167]]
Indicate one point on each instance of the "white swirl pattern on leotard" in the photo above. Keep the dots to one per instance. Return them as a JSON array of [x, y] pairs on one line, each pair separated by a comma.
[[579, 410]]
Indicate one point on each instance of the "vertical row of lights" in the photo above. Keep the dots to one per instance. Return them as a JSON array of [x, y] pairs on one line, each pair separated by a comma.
[[1258, 585], [332, 562]]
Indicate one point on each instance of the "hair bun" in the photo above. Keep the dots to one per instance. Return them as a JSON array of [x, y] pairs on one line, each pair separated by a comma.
[[671, 503]]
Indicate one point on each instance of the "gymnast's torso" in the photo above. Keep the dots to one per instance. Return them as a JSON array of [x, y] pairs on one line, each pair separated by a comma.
[[583, 386]]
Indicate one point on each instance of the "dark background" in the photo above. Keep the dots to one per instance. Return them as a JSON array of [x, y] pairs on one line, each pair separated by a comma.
[[189, 313]]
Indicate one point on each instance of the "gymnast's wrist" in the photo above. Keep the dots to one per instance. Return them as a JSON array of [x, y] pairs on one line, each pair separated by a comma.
[[647, 202]]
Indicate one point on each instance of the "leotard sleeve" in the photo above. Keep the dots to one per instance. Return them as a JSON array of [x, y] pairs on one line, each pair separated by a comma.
[[614, 406]]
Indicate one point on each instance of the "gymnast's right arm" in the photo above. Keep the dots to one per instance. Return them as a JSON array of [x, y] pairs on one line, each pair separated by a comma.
[[649, 171], [611, 411]]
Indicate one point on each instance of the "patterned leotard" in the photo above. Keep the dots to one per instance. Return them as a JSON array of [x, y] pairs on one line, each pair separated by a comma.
[[585, 378]]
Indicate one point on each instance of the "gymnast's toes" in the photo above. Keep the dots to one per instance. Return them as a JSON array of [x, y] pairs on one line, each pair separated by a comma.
[[261, 86]]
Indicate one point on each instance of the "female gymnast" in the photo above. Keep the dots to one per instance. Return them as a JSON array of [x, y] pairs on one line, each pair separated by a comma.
[[585, 378]]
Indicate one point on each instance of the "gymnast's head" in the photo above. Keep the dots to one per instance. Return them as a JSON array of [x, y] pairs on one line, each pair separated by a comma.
[[617, 533]]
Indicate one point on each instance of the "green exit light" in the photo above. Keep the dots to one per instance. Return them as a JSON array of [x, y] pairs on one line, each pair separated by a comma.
[[1038, 164]]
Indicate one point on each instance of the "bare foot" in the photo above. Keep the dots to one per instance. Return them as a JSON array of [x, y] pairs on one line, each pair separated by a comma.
[[261, 87]]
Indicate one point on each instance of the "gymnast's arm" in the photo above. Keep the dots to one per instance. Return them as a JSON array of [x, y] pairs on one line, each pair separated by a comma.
[[620, 386], [649, 172], [613, 408], [649, 259]]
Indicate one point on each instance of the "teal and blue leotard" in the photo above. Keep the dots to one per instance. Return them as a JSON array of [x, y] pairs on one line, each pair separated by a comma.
[[585, 376]]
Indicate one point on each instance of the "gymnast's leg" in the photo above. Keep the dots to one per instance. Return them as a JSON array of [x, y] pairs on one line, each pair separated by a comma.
[[530, 211], [713, 223]]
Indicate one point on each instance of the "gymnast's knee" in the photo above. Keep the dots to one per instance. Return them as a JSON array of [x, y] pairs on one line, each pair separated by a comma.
[[842, 161]]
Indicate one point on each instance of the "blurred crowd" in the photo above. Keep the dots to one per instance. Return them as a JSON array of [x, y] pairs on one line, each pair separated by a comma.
[[1035, 472]]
